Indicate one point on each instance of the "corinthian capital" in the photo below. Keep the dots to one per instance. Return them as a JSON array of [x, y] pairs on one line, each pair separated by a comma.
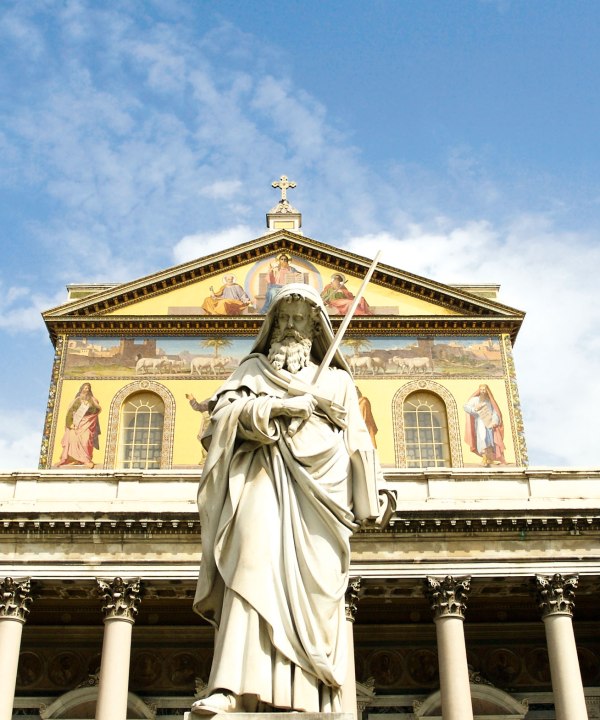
[[556, 594], [15, 598], [121, 597], [448, 596], [352, 598]]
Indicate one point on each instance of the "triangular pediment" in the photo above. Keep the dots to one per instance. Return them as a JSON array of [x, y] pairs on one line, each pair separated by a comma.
[[245, 276]]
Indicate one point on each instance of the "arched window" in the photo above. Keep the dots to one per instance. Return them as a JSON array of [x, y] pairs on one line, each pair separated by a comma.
[[141, 436], [425, 431]]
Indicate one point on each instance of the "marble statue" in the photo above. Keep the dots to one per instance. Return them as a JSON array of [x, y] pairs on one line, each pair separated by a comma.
[[290, 473]]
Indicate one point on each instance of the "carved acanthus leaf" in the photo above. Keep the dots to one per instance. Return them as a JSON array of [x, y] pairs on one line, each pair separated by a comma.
[[448, 596], [121, 597], [15, 598], [556, 593], [352, 598]]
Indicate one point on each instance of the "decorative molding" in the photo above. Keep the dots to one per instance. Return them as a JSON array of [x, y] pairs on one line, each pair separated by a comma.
[[556, 594], [70, 704], [504, 705], [521, 456], [53, 394], [593, 707], [365, 693], [15, 598], [449, 401], [130, 522], [448, 596], [121, 597], [351, 603], [114, 424]]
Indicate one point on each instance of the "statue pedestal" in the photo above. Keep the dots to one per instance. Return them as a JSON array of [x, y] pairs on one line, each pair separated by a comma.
[[271, 716]]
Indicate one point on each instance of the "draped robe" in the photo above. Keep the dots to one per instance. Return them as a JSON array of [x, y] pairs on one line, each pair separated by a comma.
[[277, 513]]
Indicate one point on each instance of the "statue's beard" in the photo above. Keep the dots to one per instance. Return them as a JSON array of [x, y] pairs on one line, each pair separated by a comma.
[[290, 350]]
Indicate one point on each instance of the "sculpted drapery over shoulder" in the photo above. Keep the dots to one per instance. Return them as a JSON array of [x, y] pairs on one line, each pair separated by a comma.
[[277, 509]]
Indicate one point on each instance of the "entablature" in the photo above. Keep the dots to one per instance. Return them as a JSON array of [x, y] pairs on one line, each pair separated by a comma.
[[183, 325]]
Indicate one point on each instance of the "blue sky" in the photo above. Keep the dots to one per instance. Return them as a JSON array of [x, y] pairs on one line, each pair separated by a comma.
[[460, 137]]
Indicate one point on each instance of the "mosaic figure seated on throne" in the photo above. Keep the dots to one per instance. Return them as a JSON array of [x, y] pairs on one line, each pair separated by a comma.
[[281, 273], [338, 299], [229, 299]]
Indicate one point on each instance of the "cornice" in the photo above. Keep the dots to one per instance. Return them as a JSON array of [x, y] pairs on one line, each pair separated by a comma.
[[419, 522], [250, 325]]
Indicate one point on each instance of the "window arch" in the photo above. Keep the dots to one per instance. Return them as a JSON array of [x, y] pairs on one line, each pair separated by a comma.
[[141, 432], [425, 415], [425, 430], [140, 427]]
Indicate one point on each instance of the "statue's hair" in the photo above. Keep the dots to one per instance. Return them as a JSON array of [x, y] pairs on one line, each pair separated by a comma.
[[314, 309]]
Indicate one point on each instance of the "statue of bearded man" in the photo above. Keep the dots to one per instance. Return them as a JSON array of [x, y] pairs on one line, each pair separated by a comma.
[[278, 505]]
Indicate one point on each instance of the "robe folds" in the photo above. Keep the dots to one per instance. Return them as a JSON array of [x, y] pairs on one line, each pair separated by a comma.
[[277, 513]]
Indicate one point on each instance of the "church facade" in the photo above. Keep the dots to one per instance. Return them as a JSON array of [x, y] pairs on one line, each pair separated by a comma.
[[465, 598]]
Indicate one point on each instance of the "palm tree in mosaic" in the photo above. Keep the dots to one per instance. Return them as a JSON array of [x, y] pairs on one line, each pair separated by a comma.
[[357, 344], [216, 343]]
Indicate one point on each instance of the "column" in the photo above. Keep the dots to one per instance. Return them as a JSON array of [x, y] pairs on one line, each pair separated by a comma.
[[448, 601], [121, 600], [349, 687], [555, 597], [14, 601]]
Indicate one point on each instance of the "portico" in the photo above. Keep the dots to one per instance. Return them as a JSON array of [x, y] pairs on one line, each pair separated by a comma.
[[506, 643]]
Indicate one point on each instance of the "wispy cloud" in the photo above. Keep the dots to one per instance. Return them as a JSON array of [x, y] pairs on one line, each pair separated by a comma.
[[21, 308], [20, 438], [199, 245]]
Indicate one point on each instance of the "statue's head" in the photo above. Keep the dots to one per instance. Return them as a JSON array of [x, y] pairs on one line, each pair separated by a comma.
[[298, 314], [294, 321]]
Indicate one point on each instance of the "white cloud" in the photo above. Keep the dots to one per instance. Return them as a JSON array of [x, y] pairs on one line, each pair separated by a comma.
[[222, 189], [191, 247], [21, 308], [20, 439]]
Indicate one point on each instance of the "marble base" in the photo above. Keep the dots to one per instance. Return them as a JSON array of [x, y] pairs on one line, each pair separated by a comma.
[[272, 716]]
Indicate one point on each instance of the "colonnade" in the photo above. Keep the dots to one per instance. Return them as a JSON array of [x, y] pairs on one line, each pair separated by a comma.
[[555, 598], [448, 598]]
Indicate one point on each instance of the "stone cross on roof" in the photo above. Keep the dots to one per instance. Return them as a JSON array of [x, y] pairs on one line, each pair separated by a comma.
[[283, 183], [284, 216]]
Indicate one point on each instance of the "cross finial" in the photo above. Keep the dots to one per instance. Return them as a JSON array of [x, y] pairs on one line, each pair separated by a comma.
[[284, 184]]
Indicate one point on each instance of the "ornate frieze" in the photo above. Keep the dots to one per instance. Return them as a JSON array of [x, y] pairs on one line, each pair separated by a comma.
[[15, 598], [121, 597], [352, 598], [448, 596], [556, 594]]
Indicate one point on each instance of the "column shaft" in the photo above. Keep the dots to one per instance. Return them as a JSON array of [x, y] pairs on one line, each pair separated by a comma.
[[349, 687], [114, 670], [11, 630], [448, 598], [122, 598], [454, 673], [567, 687]]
